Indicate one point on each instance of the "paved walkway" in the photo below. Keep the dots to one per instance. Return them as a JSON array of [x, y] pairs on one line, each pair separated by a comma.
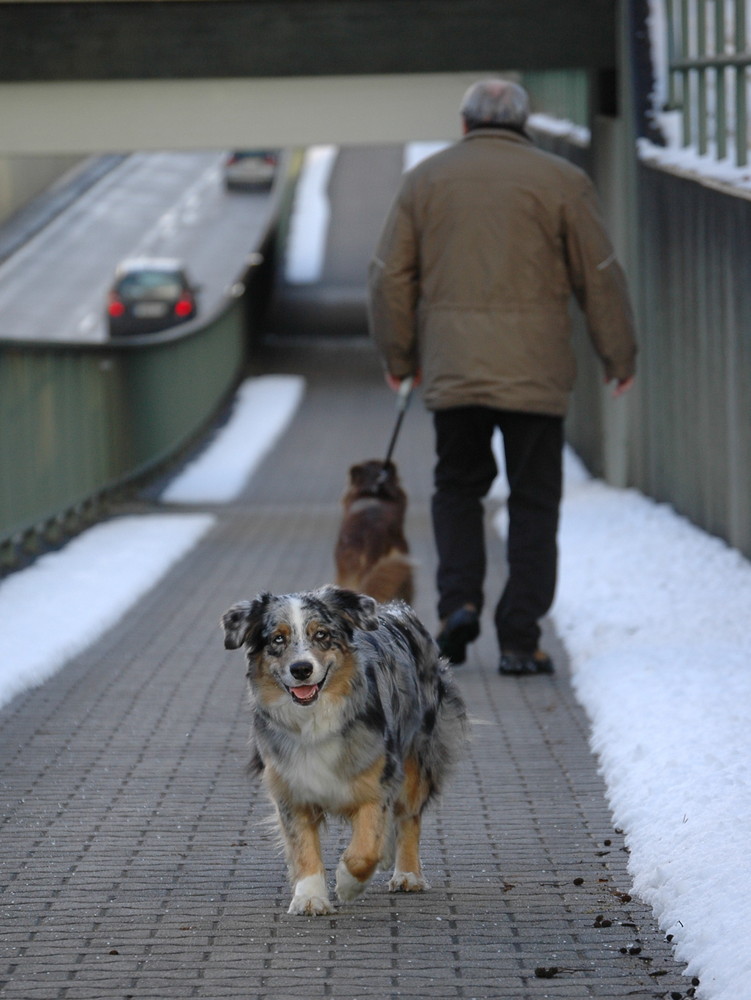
[[136, 860]]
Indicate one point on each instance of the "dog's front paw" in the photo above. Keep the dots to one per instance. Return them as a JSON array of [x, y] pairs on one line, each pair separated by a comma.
[[407, 882], [311, 898], [347, 886], [310, 906]]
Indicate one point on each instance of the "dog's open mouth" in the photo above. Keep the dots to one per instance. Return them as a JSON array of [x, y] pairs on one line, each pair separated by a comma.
[[306, 694]]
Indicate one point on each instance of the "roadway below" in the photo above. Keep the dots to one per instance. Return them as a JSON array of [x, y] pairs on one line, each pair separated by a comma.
[[53, 287]]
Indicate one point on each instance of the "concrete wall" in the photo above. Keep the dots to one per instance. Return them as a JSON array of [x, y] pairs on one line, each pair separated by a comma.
[[123, 116], [24, 177]]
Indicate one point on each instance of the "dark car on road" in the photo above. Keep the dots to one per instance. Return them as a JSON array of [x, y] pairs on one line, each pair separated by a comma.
[[149, 294], [250, 169]]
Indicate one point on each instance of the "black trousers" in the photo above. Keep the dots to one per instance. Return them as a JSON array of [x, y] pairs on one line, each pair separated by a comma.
[[464, 472]]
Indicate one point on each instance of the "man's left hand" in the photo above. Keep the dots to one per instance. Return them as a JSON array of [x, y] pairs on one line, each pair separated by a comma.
[[395, 383]]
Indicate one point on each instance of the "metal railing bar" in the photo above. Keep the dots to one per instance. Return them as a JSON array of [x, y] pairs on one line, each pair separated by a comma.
[[673, 101], [741, 111], [733, 60], [701, 95], [721, 109], [685, 77]]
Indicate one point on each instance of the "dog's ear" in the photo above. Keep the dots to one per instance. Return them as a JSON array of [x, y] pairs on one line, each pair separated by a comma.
[[242, 620], [236, 623], [357, 474], [358, 609]]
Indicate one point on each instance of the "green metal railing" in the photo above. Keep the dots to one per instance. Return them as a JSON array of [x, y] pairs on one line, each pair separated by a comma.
[[78, 421], [708, 74], [561, 93]]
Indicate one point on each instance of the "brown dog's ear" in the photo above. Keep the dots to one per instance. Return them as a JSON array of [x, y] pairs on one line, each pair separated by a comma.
[[358, 609], [241, 619]]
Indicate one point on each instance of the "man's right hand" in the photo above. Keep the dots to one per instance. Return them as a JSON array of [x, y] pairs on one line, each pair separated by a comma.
[[622, 385]]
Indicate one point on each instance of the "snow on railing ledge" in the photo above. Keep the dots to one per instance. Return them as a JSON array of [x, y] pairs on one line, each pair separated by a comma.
[[578, 135], [704, 169]]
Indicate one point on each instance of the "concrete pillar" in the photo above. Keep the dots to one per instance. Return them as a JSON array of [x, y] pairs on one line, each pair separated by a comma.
[[614, 172]]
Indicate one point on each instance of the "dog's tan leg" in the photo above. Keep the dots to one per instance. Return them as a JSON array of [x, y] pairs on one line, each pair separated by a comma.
[[408, 875], [365, 850], [303, 848]]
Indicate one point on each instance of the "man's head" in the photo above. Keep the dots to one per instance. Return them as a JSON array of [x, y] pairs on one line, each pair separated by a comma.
[[495, 104]]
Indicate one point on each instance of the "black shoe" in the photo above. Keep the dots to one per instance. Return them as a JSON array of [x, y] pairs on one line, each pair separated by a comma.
[[460, 628], [515, 663]]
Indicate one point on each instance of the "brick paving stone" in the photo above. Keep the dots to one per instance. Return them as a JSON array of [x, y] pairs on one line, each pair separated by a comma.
[[136, 856]]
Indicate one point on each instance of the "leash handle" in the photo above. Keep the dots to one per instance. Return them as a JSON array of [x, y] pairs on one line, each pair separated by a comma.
[[403, 394]]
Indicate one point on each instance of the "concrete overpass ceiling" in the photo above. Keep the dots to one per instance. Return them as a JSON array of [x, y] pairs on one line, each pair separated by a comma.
[[184, 39], [113, 76]]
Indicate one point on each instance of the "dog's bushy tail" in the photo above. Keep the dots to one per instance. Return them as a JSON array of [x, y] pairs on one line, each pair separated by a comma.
[[390, 578]]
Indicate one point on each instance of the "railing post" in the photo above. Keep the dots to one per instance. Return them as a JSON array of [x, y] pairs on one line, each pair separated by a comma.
[[674, 99], [686, 73], [701, 76], [614, 168], [721, 111], [741, 124]]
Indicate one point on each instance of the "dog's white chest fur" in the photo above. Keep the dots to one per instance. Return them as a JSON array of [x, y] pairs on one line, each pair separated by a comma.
[[314, 765], [316, 775], [311, 725]]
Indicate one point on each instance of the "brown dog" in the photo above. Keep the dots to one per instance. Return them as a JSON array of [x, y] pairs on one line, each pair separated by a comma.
[[372, 554]]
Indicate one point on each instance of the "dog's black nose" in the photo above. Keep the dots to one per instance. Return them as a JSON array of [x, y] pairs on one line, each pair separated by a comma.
[[301, 670]]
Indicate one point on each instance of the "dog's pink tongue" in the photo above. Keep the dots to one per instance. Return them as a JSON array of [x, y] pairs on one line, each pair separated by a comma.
[[304, 693]]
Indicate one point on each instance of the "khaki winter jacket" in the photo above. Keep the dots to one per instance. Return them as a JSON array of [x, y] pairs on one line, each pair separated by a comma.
[[474, 271]]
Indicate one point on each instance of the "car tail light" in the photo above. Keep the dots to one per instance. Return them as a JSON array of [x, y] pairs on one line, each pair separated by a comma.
[[183, 308], [116, 308]]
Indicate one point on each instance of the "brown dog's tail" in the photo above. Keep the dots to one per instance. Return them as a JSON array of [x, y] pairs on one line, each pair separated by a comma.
[[389, 578]]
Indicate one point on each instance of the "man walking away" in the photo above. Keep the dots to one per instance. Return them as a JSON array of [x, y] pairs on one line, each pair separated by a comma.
[[469, 292]]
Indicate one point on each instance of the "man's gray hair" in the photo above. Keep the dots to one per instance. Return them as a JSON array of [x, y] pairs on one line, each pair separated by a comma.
[[494, 103]]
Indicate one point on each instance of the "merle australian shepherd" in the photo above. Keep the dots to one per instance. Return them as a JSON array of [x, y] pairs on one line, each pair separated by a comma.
[[371, 553], [353, 714]]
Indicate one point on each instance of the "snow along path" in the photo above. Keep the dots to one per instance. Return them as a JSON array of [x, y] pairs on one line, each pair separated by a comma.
[[90, 584], [654, 615], [55, 608], [262, 410]]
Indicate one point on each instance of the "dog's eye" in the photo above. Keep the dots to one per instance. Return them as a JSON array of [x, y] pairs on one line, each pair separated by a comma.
[[277, 640], [321, 635]]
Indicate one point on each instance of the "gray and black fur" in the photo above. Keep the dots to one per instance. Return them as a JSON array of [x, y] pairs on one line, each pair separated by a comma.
[[353, 714]]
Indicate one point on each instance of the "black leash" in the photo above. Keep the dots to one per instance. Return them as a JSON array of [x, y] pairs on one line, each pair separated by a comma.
[[403, 396]]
